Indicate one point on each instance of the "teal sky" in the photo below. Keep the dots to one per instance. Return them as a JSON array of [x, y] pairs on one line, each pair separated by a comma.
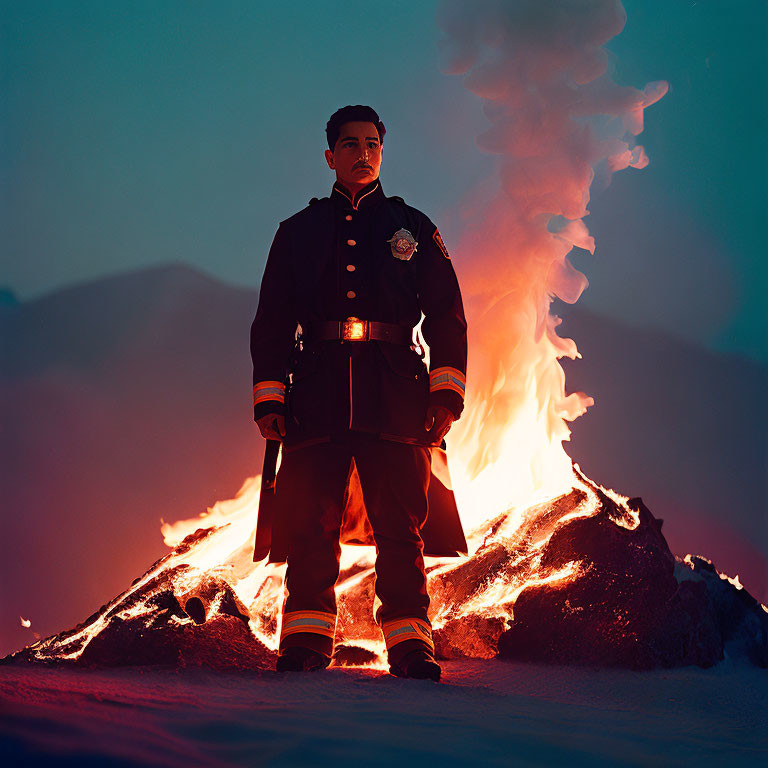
[[141, 133]]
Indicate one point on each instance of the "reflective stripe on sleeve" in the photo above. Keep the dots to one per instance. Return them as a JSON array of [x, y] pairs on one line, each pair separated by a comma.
[[269, 390], [316, 622], [399, 630], [447, 378]]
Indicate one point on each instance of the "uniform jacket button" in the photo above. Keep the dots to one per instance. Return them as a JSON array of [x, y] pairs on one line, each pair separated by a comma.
[[351, 242], [351, 294], [348, 217], [350, 267]]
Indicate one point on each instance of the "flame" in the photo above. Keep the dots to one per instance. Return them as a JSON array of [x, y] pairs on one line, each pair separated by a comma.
[[734, 580], [557, 123]]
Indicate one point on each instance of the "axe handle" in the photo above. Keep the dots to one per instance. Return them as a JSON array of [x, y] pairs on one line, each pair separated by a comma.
[[269, 469], [266, 501]]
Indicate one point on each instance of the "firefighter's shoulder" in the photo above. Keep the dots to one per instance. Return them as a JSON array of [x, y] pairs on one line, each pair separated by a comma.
[[316, 207], [414, 214], [412, 218]]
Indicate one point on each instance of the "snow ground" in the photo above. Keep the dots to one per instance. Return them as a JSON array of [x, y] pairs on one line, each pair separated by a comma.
[[484, 712]]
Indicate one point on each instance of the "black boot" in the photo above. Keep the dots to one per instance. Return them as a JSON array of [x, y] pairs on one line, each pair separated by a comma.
[[298, 659], [419, 664]]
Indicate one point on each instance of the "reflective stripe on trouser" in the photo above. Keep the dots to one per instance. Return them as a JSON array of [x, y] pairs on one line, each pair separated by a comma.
[[400, 630], [314, 622]]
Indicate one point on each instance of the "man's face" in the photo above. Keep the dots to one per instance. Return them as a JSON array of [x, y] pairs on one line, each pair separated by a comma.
[[356, 158]]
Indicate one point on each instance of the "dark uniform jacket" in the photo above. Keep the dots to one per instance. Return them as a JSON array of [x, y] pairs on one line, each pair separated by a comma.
[[341, 257]]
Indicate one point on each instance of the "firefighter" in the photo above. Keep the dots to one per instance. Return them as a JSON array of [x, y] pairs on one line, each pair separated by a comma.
[[338, 377]]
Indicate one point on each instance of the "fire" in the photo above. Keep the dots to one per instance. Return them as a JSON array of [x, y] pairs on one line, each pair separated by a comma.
[[557, 122], [734, 580]]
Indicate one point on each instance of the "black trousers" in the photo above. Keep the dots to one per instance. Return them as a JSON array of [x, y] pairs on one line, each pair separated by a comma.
[[394, 478]]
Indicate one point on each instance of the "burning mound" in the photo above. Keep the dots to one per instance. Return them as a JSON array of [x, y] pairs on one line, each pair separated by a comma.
[[173, 616], [586, 578]]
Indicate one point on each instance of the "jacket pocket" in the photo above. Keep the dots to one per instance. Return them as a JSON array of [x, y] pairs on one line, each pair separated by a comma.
[[304, 394], [305, 364], [404, 389], [403, 361]]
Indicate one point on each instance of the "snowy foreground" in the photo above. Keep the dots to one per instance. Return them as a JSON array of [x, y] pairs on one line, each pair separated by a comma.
[[484, 712]]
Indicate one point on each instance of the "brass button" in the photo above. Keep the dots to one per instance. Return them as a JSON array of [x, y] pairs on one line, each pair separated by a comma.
[[350, 267], [351, 242], [351, 294], [348, 217]]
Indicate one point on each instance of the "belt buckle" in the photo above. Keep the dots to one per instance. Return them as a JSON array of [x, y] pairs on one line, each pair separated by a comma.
[[355, 329]]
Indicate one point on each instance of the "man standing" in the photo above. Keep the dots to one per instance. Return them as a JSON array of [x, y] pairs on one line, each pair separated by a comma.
[[355, 271]]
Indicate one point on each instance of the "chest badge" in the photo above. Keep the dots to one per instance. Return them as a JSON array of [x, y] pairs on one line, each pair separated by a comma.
[[403, 244]]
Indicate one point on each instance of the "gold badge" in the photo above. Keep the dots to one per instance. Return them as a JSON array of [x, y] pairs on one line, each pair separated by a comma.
[[403, 244]]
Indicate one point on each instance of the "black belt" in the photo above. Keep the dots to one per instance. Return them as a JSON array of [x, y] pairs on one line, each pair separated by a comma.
[[354, 329]]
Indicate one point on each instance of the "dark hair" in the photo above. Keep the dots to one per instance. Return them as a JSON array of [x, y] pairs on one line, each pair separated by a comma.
[[349, 114]]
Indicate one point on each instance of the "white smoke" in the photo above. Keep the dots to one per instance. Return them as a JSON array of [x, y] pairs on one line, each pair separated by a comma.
[[558, 124]]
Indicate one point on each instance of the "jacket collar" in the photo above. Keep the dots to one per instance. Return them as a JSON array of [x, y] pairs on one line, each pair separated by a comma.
[[367, 197]]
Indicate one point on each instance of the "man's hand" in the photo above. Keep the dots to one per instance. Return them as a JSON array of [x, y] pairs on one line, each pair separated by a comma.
[[438, 422], [272, 426]]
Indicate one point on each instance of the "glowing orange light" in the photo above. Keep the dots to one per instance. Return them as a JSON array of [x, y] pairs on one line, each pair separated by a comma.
[[353, 329]]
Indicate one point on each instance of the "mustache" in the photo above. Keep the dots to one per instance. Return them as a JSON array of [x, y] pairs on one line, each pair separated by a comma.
[[361, 165]]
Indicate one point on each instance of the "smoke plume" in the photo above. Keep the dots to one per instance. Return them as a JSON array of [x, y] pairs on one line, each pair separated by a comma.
[[558, 124]]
